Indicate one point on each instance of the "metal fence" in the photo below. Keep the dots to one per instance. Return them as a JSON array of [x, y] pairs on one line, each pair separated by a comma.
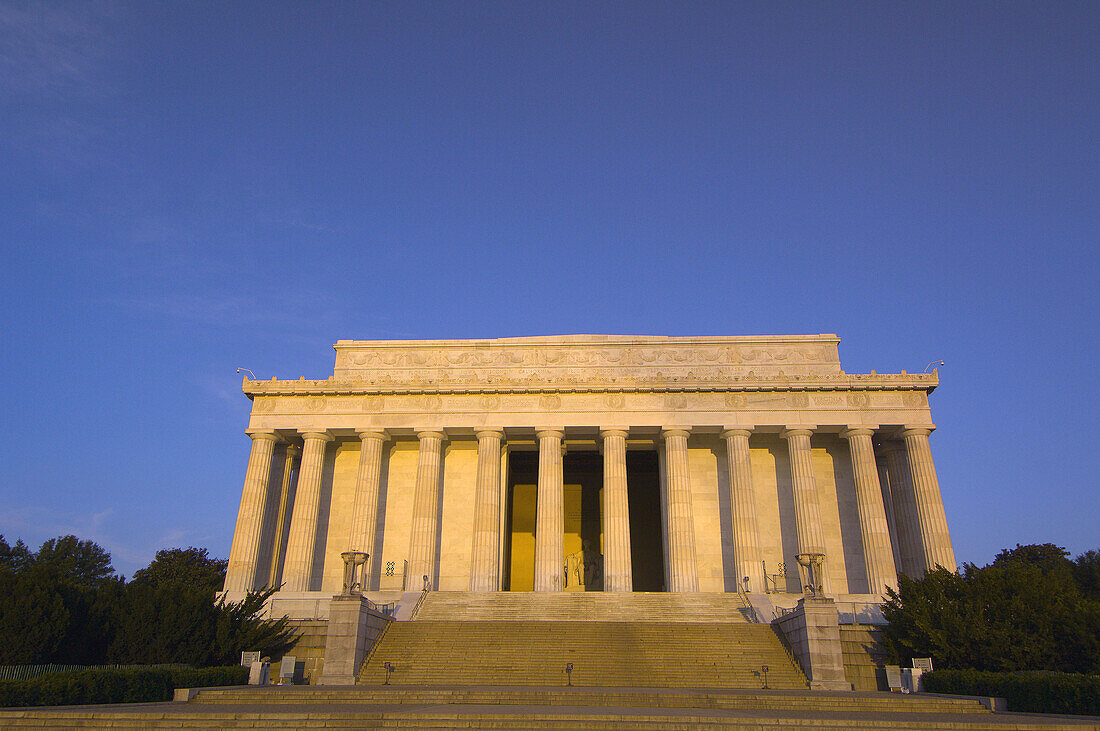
[[26, 672]]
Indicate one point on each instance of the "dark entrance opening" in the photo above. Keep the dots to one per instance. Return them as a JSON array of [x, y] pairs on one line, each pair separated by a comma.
[[647, 555], [582, 474]]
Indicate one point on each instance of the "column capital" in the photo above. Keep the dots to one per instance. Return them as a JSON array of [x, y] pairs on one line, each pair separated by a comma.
[[364, 434], [675, 431], [489, 432], [293, 450], [605, 433], [918, 430], [255, 434], [858, 431], [429, 433], [321, 434], [547, 432], [737, 431], [799, 430]]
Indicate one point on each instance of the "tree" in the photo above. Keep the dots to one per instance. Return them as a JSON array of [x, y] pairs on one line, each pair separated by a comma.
[[183, 567], [79, 562], [14, 558], [1024, 611]]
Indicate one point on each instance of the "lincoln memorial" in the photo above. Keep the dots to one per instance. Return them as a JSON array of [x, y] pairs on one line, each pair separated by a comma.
[[589, 463]]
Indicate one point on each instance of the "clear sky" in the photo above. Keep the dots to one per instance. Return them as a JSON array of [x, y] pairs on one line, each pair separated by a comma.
[[188, 188]]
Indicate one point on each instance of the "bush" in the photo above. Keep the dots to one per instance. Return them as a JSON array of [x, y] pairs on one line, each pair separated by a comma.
[[1034, 692], [85, 687]]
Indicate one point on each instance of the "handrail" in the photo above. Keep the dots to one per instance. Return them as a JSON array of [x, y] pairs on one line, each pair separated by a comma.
[[373, 649], [420, 600]]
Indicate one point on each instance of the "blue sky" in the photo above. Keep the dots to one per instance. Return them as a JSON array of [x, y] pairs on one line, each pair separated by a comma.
[[186, 188]]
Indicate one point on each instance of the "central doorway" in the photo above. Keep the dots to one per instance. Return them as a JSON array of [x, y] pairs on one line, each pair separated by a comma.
[[582, 473]]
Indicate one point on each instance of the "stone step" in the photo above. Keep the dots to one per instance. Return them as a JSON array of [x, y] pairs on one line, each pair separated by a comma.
[[583, 606], [487, 717], [619, 654], [594, 697]]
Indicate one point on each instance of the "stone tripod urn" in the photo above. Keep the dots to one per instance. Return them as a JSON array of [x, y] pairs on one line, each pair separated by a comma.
[[354, 568], [811, 573]]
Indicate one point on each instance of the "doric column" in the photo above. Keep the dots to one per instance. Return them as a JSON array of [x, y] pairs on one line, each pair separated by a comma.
[[746, 541], [934, 536], [905, 511], [485, 564], [617, 571], [422, 540], [298, 566], [878, 556], [244, 555], [364, 511], [807, 512], [683, 573], [550, 515], [281, 517]]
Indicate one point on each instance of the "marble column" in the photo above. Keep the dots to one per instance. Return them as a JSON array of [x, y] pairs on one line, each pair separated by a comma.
[[905, 511], [550, 514], [878, 555], [298, 566], [485, 563], [934, 536], [617, 570], [807, 511], [364, 510], [281, 518], [244, 555], [746, 540], [422, 540], [679, 518]]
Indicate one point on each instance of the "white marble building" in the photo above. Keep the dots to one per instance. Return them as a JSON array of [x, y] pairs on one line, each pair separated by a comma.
[[590, 462]]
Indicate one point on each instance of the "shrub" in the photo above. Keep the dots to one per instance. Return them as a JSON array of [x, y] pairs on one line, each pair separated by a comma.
[[85, 687], [1035, 692]]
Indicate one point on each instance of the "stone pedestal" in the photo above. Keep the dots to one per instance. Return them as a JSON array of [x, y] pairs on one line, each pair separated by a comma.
[[353, 628], [813, 631]]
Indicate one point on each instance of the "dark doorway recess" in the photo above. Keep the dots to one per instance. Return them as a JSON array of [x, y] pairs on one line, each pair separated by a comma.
[[644, 498]]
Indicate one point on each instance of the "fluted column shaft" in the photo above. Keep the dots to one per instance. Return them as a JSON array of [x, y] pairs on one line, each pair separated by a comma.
[[905, 511], [422, 540], [298, 566], [617, 569], [550, 515], [874, 531], [364, 510], [278, 548], [244, 555], [485, 564], [683, 573], [807, 510], [746, 541], [934, 536]]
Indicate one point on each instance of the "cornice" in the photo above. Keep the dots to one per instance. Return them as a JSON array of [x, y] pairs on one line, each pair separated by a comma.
[[926, 382]]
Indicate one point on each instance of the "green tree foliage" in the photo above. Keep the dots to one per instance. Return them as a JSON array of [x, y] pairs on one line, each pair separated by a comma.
[[74, 561], [183, 567], [1028, 610], [56, 604], [64, 604]]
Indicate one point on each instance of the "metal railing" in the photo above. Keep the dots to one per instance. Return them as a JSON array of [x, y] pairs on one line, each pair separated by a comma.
[[26, 672]]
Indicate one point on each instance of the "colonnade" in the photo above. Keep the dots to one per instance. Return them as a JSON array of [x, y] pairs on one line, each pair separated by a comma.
[[912, 495]]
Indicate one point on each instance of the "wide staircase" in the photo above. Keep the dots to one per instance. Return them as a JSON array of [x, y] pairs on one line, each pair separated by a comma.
[[583, 639]]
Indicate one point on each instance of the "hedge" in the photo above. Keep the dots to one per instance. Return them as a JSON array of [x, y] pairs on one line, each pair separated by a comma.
[[1033, 692], [85, 687]]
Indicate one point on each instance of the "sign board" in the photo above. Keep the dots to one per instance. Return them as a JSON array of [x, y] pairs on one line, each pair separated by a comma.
[[893, 678], [286, 668], [924, 663], [247, 658]]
